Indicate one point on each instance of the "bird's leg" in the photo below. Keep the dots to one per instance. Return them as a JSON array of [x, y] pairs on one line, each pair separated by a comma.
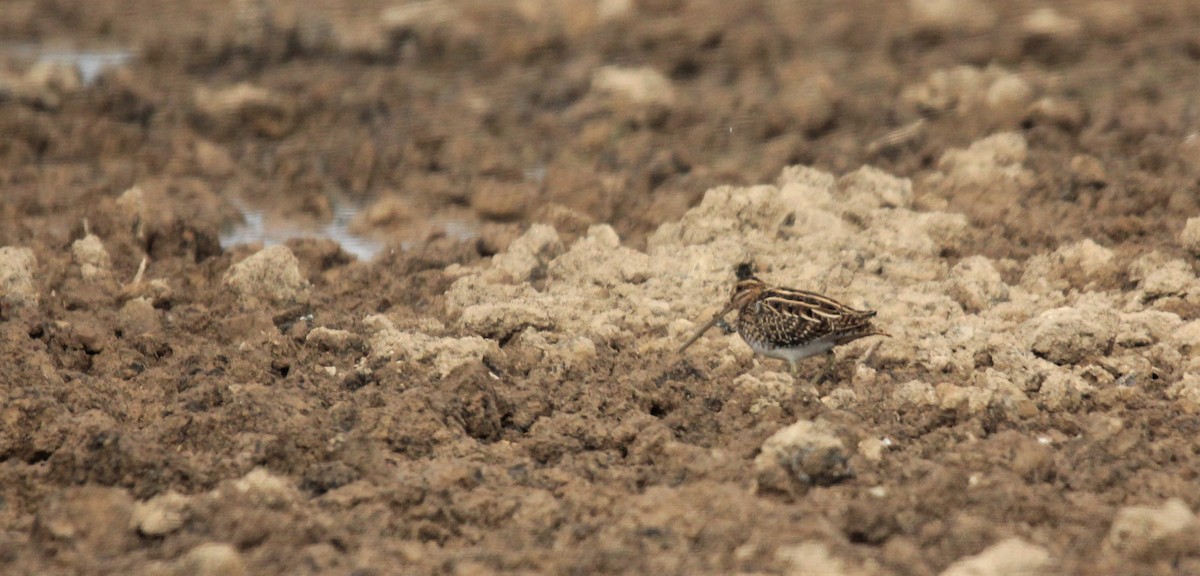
[[826, 371]]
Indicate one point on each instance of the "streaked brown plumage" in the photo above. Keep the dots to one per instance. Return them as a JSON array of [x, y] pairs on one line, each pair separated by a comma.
[[789, 324]]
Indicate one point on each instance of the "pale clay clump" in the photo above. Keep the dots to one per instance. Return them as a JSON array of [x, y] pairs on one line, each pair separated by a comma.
[[1190, 237], [161, 515], [444, 353], [976, 284], [91, 257], [1137, 530], [916, 393], [1085, 259], [767, 391], [814, 557], [992, 94], [17, 269], [1160, 277], [1005, 558], [800, 456], [330, 339], [1049, 341], [269, 276], [267, 112], [210, 559], [643, 86], [951, 17]]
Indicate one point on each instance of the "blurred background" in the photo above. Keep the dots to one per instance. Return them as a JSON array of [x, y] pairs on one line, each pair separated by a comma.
[[384, 124]]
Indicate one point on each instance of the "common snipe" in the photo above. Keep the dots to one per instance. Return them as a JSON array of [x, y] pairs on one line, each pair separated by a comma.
[[790, 324]]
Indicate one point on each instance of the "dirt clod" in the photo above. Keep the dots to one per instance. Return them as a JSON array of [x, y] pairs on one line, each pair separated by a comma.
[[90, 521], [1138, 530], [1011, 556], [17, 269], [801, 456], [160, 515], [271, 276], [211, 559]]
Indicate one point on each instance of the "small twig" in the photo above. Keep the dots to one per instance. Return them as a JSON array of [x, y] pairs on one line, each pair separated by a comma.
[[871, 351], [137, 278], [898, 137]]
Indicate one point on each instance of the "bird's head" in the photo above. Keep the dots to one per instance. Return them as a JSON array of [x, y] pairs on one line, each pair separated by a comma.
[[748, 286]]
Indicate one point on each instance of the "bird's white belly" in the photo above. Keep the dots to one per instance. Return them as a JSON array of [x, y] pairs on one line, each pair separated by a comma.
[[818, 346]]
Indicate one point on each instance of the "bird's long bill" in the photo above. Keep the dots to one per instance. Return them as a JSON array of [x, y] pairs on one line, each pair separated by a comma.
[[716, 317]]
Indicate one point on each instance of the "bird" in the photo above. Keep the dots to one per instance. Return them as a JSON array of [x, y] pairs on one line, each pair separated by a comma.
[[789, 324]]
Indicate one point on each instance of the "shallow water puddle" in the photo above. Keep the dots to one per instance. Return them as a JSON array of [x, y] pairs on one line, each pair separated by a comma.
[[90, 63], [259, 225], [256, 226]]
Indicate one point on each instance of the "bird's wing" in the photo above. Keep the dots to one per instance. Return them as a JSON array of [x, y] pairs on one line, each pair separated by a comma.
[[823, 313]]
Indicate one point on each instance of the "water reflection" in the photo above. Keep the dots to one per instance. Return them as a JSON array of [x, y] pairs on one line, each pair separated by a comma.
[[259, 226], [89, 62], [255, 228]]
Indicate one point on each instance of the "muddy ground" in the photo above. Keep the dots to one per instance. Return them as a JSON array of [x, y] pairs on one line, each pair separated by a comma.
[[562, 190]]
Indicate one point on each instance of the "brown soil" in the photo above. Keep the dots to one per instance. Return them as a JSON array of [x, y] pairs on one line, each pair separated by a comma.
[[210, 417]]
